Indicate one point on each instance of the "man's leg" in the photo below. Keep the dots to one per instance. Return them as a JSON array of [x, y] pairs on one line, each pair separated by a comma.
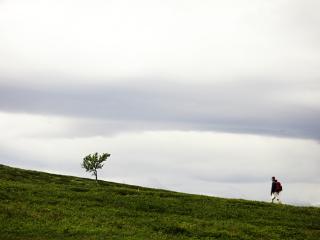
[[278, 198]]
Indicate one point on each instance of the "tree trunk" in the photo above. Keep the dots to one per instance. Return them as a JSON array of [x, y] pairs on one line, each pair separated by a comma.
[[96, 175]]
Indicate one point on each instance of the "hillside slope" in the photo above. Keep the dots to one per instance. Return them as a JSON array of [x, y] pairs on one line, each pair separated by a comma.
[[36, 205]]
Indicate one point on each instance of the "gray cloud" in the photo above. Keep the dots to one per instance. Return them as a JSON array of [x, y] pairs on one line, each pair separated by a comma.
[[246, 106]]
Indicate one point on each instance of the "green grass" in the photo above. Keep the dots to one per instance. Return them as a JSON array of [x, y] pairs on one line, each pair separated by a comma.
[[36, 205]]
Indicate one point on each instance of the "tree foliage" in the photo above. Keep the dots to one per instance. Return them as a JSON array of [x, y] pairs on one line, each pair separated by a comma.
[[93, 162]]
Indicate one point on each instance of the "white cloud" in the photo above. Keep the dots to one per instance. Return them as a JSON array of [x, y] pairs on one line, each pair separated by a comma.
[[180, 40], [17, 125]]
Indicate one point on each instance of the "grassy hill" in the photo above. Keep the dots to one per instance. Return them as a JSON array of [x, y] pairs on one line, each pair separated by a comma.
[[37, 205]]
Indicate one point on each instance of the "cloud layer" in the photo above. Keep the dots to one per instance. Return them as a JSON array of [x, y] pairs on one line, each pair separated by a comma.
[[260, 107], [180, 39]]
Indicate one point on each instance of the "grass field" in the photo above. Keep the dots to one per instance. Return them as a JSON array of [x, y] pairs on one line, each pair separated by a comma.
[[37, 205]]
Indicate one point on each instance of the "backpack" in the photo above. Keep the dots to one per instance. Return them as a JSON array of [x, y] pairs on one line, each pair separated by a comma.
[[278, 187]]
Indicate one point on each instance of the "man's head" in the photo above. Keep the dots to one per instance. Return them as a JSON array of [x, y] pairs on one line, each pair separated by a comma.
[[273, 178]]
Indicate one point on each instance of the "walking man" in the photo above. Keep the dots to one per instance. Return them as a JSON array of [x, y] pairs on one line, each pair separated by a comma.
[[276, 188]]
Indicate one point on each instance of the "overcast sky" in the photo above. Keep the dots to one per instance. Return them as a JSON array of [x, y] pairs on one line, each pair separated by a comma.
[[208, 97]]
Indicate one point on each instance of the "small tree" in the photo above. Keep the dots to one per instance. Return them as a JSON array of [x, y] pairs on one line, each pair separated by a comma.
[[92, 163]]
